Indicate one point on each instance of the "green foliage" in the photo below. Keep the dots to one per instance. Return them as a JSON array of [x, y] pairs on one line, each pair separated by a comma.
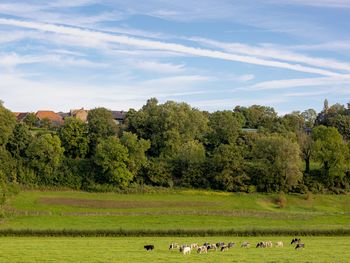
[[257, 116], [44, 157], [7, 124], [276, 164], [112, 158], [31, 120], [167, 125], [227, 168], [331, 151], [136, 150], [101, 125], [74, 138], [157, 172], [224, 127], [19, 141]]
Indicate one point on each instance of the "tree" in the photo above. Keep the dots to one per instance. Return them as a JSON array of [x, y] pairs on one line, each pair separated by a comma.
[[305, 144], [342, 123], [227, 168], [19, 141], [224, 127], [331, 151], [44, 157], [7, 124], [276, 164], [112, 158], [101, 125], [257, 116], [74, 138], [187, 161], [31, 120], [167, 125], [309, 116], [136, 149]]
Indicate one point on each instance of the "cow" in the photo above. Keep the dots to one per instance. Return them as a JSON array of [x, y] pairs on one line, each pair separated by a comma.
[[299, 246], [245, 244], [186, 250], [193, 245], [206, 244], [279, 244], [202, 249], [224, 248], [173, 246], [212, 246], [261, 244], [220, 244], [295, 241], [149, 247], [231, 244], [269, 244]]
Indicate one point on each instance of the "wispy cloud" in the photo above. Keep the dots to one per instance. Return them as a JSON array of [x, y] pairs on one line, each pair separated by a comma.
[[275, 52], [302, 82], [318, 3], [157, 45], [155, 66]]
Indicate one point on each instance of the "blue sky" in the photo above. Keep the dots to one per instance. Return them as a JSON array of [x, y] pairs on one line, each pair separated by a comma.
[[212, 54]]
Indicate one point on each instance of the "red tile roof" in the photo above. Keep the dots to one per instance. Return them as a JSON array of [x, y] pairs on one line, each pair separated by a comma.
[[52, 116]]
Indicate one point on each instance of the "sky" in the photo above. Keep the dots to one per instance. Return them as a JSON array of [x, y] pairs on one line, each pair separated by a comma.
[[212, 54]]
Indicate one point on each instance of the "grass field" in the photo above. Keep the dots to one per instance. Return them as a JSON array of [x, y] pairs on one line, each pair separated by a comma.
[[182, 209], [129, 250]]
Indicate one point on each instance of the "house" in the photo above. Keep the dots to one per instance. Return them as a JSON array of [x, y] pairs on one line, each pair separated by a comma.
[[80, 114], [20, 116], [53, 117], [119, 116]]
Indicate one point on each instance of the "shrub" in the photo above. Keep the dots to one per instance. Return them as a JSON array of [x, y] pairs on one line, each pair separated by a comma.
[[281, 200]]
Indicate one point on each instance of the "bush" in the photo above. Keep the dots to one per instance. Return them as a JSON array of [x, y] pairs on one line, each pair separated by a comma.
[[281, 200]]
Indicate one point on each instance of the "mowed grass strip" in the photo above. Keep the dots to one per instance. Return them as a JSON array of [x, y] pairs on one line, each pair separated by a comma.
[[130, 250], [185, 209]]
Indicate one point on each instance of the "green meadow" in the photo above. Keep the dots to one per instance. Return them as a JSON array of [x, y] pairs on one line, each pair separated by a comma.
[[179, 209], [130, 250]]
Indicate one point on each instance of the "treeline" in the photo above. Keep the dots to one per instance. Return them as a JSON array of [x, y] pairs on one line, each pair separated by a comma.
[[247, 149]]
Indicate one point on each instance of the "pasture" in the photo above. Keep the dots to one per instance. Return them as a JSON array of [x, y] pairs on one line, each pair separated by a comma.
[[129, 250], [181, 209]]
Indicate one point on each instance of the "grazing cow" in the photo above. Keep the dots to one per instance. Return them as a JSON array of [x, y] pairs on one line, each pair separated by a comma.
[[212, 247], [186, 250], [245, 244], [173, 246], [220, 244], [279, 244], [231, 244], [202, 249], [193, 245], [295, 241], [206, 244], [224, 248], [299, 246], [269, 244], [261, 244], [149, 247]]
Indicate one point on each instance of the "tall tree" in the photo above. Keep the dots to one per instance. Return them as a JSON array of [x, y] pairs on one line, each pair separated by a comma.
[[7, 124], [137, 151], [74, 138], [224, 127], [112, 159], [276, 164], [331, 151], [44, 156], [101, 125]]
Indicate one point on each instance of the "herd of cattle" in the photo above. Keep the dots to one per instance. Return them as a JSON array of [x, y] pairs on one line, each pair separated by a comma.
[[221, 246]]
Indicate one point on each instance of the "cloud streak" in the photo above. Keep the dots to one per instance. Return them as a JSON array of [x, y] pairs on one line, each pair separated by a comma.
[[164, 46]]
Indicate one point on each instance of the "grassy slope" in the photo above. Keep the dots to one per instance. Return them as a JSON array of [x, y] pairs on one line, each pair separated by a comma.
[[129, 250], [182, 209]]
